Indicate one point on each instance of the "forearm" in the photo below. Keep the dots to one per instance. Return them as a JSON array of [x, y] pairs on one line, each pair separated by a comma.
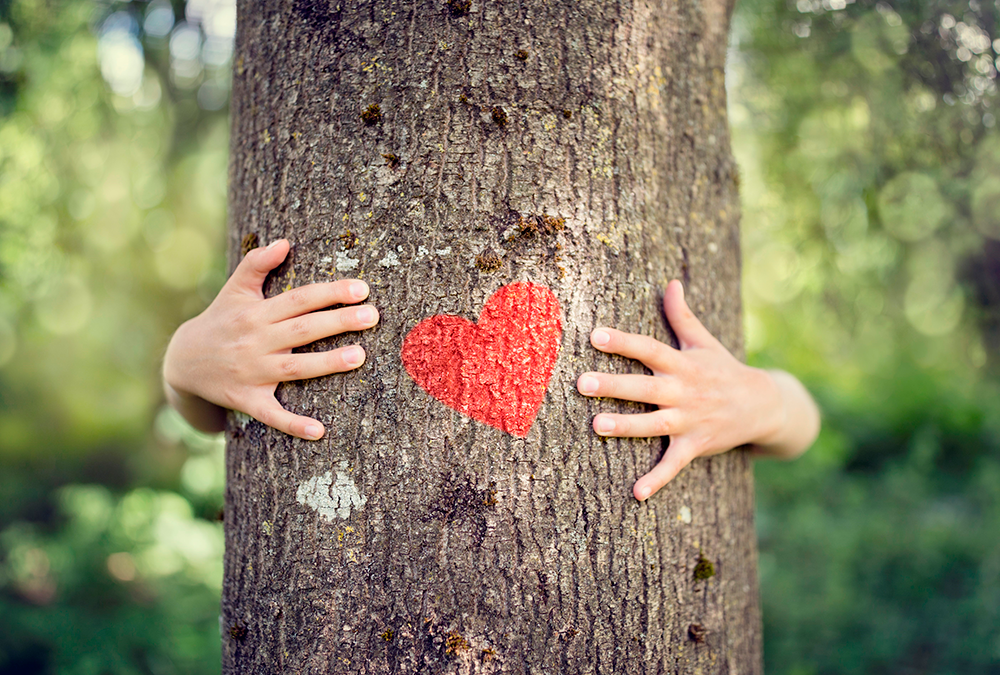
[[199, 413], [799, 420]]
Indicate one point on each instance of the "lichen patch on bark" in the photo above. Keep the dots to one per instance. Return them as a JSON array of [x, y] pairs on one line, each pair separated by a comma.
[[346, 263], [332, 497]]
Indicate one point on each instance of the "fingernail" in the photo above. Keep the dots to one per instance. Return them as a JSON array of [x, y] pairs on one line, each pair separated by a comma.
[[359, 290], [600, 337], [644, 492], [273, 244], [313, 431], [588, 384], [605, 425], [366, 315], [354, 356]]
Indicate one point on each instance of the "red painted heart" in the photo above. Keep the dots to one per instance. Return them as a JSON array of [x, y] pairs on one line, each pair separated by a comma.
[[495, 371]]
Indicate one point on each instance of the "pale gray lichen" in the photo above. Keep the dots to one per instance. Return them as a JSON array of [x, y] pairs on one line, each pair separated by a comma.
[[331, 497], [390, 260], [346, 263]]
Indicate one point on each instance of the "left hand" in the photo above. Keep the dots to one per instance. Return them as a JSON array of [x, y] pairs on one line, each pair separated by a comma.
[[708, 401]]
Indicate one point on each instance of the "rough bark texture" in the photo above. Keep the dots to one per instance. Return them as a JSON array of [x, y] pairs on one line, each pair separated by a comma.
[[413, 539]]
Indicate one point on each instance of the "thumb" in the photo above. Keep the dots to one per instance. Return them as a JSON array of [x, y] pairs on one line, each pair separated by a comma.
[[689, 330], [255, 266], [677, 456]]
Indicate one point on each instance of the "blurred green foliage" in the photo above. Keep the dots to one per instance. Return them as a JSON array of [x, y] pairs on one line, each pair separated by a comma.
[[866, 134], [871, 188], [113, 161]]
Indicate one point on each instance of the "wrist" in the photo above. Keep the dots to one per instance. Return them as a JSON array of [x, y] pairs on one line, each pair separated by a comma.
[[174, 360], [199, 412], [797, 418], [772, 411]]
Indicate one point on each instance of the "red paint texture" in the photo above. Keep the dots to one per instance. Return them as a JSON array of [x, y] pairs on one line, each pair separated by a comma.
[[495, 371]]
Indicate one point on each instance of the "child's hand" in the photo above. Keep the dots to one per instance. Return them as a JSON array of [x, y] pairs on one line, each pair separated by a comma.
[[709, 402], [234, 354]]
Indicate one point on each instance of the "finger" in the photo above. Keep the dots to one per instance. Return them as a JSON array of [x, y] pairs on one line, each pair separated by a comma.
[[641, 388], [306, 329], [291, 367], [676, 457], [271, 413], [689, 330], [255, 266], [650, 351], [641, 425], [312, 297]]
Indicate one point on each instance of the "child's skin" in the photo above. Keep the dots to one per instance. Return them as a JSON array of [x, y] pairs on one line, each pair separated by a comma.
[[708, 401], [234, 354]]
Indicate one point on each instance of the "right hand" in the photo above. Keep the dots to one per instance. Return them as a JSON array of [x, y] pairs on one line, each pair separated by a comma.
[[234, 354]]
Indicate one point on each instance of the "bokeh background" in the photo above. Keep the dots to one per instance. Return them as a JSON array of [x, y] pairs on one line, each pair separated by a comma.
[[870, 163]]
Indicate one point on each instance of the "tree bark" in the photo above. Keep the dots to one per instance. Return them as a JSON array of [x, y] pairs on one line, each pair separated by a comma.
[[442, 150]]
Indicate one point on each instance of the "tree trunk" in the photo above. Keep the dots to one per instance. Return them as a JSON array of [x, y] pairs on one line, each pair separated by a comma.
[[573, 155]]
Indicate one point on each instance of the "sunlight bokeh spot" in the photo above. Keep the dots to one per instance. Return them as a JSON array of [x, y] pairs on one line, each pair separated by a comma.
[[185, 42], [120, 54], [845, 219], [121, 566], [933, 302], [911, 206], [204, 474], [81, 204], [870, 302], [64, 307], [774, 273], [159, 19], [148, 189], [149, 93], [6, 35], [931, 308], [218, 17]]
